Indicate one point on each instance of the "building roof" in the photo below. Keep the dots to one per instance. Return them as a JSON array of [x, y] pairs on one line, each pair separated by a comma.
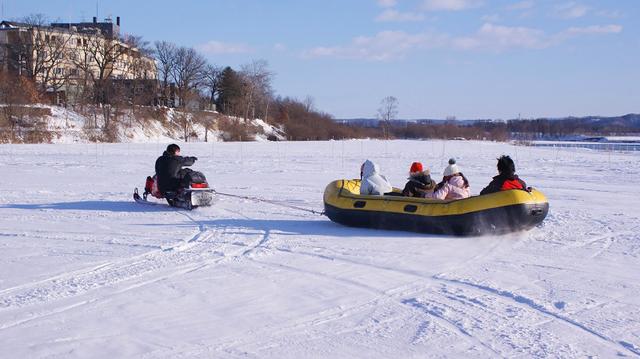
[[107, 29], [14, 25]]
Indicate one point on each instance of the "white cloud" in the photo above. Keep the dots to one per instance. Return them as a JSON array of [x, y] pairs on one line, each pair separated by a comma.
[[522, 5], [496, 37], [450, 5], [280, 47], [500, 38], [384, 46], [387, 3], [592, 30], [214, 47], [392, 45], [613, 14], [491, 18], [595, 29], [571, 10], [391, 15]]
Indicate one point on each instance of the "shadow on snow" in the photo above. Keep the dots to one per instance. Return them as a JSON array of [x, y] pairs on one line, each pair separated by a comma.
[[290, 227], [108, 206], [282, 227]]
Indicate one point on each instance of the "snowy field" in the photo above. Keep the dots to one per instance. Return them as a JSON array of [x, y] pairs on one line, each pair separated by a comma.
[[87, 273]]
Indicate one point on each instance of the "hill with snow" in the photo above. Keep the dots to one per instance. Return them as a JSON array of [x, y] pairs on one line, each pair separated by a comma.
[[147, 125]]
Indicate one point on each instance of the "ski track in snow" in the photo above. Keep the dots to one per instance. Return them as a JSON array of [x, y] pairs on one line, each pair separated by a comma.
[[521, 301], [529, 303], [192, 254], [311, 288]]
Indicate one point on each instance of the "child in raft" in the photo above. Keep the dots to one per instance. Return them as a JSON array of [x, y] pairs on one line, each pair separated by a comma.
[[506, 179], [372, 182], [420, 182], [454, 184]]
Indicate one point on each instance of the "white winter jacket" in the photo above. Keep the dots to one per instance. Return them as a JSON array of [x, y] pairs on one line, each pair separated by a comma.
[[372, 182]]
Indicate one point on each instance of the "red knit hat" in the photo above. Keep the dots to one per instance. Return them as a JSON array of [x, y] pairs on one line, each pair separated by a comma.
[[415, 167]]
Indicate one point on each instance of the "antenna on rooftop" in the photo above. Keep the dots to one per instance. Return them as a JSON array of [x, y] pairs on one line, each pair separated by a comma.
[[97, 7]]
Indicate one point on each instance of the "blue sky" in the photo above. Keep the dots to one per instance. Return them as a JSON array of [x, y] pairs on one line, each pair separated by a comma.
[[463, 58]]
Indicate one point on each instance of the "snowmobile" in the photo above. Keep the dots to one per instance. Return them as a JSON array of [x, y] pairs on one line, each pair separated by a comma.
[[194, 192]]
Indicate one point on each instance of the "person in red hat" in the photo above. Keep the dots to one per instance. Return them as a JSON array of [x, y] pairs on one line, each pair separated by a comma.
[[420, 182]]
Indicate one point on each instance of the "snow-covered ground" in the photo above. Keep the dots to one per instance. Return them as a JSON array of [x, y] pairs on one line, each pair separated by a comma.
[[70, 127], [88, 273]]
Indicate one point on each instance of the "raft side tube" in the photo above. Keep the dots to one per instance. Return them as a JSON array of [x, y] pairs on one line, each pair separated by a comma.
[[500, 212]]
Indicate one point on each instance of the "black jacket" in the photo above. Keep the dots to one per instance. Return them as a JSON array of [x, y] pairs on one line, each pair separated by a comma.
[[498, 181], [417, 186], [168, 171]]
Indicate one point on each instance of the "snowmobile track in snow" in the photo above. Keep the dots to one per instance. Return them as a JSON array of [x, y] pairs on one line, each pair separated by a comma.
[[525, 302], [194, 253], [506, 297]]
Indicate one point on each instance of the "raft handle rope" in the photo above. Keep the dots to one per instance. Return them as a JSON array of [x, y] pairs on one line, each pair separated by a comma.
[[275, 203]]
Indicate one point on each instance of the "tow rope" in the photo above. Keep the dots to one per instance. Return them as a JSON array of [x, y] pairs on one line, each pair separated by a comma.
[[275, 203]]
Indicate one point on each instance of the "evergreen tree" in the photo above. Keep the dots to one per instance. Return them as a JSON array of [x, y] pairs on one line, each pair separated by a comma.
[[230, 92]]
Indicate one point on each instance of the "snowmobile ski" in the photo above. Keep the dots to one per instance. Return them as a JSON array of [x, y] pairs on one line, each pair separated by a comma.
[[141, 200]]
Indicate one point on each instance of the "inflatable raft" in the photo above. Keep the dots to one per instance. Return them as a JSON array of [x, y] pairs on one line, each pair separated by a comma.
[[500, 212]]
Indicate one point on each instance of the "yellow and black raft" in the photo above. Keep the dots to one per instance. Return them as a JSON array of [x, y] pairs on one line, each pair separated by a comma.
[[500, 212]]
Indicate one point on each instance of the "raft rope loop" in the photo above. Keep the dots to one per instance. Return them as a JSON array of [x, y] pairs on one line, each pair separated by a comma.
[[275, 203]]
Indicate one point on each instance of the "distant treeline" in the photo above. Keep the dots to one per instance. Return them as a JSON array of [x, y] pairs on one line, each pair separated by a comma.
[[500, 130], [589, 126]]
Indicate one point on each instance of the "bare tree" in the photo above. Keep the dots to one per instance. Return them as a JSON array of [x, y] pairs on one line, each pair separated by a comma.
[[257, 85], [15, 91], [142, 89], [142, 46], [211, 81], [187, 73], [100, 57], [387, 112], [207, 120], [165, 53], [185, 121], [309, 103], [42, 55]]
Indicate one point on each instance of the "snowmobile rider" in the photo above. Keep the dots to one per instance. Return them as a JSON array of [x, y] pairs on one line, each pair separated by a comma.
[[169, 171], [506, 179]]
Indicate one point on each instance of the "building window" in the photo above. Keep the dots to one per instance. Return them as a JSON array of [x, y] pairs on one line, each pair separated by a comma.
[[59, 71], [79, 42]]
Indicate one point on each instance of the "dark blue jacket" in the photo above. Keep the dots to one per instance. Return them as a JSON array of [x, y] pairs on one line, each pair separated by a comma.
[[168, 169]]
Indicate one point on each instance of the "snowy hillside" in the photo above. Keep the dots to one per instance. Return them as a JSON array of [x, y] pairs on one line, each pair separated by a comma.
[[149, 125], [88, 273]]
